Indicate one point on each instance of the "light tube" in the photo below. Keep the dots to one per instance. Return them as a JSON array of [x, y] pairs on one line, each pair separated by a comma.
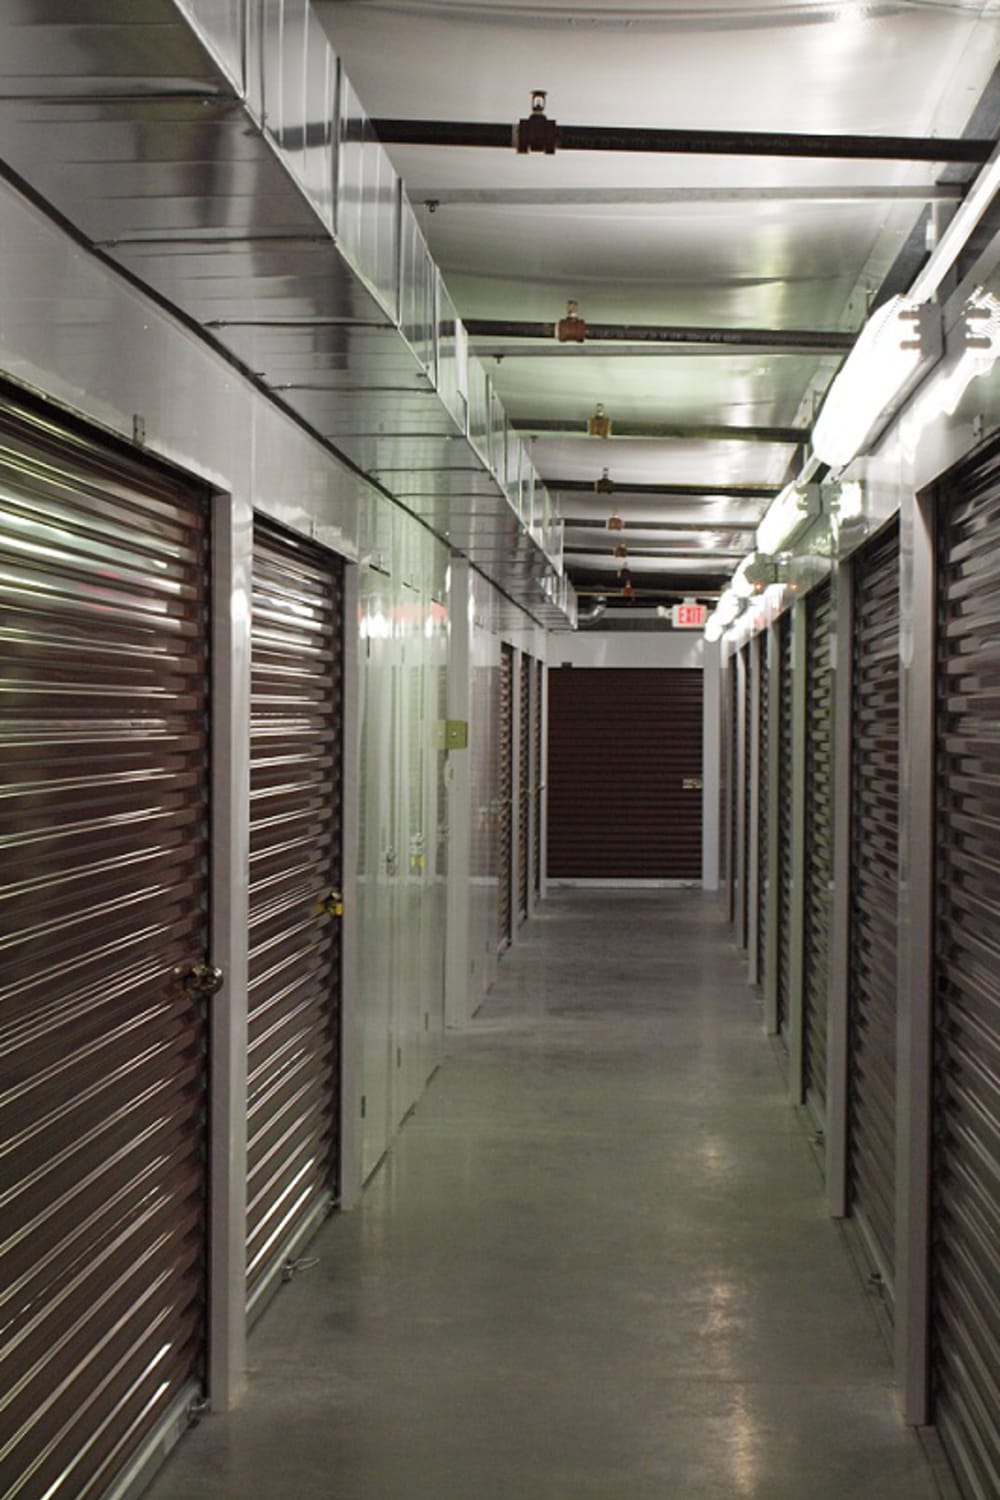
[[787, 517], [893, 351]]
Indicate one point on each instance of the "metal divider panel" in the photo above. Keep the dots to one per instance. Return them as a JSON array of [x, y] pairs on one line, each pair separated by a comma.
[[784, 822], [539, 688], [505, 828], [295, 866], [625, 772], [747, 719], [965, 1242], [819, 843], [524, 799], [763, 821], [103, 893], [874, 897]]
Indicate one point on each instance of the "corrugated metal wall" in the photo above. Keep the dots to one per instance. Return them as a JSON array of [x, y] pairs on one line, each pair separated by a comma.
[[524, 789], [783, 828], [764, 822], [625, 769], [296, 731], [505, 806], [747, 734], [872, 979], [819, 846], [965, 1271], [103, 616], [539, 784]]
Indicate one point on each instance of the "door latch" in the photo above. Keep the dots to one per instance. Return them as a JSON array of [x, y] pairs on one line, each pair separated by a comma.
[[331, 905], [199, 981]]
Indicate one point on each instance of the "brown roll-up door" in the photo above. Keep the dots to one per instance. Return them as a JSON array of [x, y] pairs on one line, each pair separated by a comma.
[[763, 810], [293, 1066], [819, 846], [524, 790], [505, 808], [539, 787], [103, 895], [745, 819], [733, 783], [965, 1268], [625, 772], [784, 823], [874, 899]]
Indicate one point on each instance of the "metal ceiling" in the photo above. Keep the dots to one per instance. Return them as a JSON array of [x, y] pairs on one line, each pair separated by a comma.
[[216, 151], [738, 217]]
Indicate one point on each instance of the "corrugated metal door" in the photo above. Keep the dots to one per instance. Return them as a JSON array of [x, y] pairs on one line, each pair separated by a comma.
[[539, 785], [784, 823], [874, 897], [819, 846], [965, 1241], [505, 807], [763, 765], [745, 822], [293, 1089], [104, 734], [733, 782], [524, 790], [625, 773]]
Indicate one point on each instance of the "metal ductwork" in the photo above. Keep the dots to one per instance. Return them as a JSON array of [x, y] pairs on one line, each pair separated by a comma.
[[218, 154], [593, 611]]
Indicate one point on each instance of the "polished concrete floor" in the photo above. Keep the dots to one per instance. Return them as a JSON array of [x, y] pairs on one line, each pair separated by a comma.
[[596, 1265]]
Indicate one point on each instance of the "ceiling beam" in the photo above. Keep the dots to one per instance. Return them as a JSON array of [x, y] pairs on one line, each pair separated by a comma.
[[683, 528], [594, 197], [794, 340], [693, 432], [667, 491], [638, 139]]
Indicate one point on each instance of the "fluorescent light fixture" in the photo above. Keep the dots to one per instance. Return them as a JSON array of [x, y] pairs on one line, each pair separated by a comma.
[[728, 608], [752, 576], [848, 500], [787, 517], [725, 612], [892, 353], [959, 230]]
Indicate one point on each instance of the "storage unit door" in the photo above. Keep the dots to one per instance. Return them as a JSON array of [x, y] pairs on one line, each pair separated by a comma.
[[293, 1066], [873, 902], [524, 790], [625, 773], [103, 901], [505, 808], [539, 689], [733, 782], [784, 823], [965, 1246], [819, 846], [763, 760], [745, 819]]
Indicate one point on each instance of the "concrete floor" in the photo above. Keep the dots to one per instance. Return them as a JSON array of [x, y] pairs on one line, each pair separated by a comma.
[[596, 1266]]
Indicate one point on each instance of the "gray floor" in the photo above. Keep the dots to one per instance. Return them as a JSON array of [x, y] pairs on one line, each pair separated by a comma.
[[595, 1267]]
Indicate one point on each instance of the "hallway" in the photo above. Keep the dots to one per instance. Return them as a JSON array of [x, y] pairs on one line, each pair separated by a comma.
[[596, 1266]]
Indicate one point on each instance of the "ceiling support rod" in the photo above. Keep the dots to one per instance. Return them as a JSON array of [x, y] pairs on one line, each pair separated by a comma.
[[634, 139], [693, 433], [793, 339]]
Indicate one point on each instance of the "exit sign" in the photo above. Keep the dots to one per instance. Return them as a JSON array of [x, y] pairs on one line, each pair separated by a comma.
[[689, 616]]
